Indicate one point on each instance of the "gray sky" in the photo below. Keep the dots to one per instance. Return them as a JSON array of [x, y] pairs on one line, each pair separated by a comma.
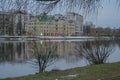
[[108, 15]]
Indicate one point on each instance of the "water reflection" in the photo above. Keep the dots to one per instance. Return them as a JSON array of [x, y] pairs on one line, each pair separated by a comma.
[[96, 52], [20, 52], [65, 56], [13, 52], [44, 54], [117, 43]]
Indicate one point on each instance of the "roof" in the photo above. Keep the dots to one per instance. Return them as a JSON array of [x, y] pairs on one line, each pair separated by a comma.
[[46, 18], [19, 12], [1, 12], [73, 13]]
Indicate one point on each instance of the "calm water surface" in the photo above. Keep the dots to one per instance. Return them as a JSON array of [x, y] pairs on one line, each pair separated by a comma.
[[16, 58]]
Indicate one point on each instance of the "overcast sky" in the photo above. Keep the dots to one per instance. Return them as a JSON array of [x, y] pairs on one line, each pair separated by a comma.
[[108, 15]]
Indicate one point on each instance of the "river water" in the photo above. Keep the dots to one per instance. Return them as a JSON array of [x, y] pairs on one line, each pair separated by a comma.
[[18, 58]]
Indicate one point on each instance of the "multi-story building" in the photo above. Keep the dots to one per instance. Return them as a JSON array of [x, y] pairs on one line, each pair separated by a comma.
[[78, 20], [21, 18], [60, 17], [6, 23], [89, 29], [13, 22], [49, 26]]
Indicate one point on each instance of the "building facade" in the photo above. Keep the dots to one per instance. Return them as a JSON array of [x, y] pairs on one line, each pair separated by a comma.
[[49, 27], [21, 18], [78, 20], [13, 22], [6, 24]]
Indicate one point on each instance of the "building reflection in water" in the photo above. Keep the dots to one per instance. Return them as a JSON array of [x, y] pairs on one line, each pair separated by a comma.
[[14, 55], [64, 50], [13, 52], [20, 51]]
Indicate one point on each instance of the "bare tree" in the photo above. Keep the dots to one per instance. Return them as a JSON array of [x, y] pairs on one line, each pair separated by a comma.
[[95, 52], [44, 53], [87, 6], [5, 5]]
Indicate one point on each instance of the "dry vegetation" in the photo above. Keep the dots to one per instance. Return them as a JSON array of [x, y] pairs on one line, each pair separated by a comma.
[[39, 6], [94, 72]]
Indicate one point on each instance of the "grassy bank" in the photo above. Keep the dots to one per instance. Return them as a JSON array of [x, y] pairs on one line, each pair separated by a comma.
[[93, 72]]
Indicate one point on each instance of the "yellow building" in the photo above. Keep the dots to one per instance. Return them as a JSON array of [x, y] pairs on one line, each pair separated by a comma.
[[49, 27]]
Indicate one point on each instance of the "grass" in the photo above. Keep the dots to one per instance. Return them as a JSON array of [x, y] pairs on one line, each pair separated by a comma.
[[109, 71]]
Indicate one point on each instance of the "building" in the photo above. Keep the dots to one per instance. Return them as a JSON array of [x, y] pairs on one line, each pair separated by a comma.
[[21, 18], [89, 29], [13, 22], [49, 26], [60, 17], [78, 20], [6, 23]]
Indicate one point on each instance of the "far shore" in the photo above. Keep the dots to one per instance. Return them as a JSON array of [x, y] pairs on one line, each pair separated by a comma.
[[30, 38]]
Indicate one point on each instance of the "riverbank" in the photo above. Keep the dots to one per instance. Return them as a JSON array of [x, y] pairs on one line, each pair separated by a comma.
[[109, 71], [31, 38]]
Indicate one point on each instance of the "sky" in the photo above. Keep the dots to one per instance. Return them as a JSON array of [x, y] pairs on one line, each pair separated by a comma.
[[108, 15]]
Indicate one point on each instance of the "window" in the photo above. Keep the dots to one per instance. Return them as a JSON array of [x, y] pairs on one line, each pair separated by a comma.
[[56, 28], [64, 29]]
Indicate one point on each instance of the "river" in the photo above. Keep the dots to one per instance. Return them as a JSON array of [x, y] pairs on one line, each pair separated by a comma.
[[17, 58]]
